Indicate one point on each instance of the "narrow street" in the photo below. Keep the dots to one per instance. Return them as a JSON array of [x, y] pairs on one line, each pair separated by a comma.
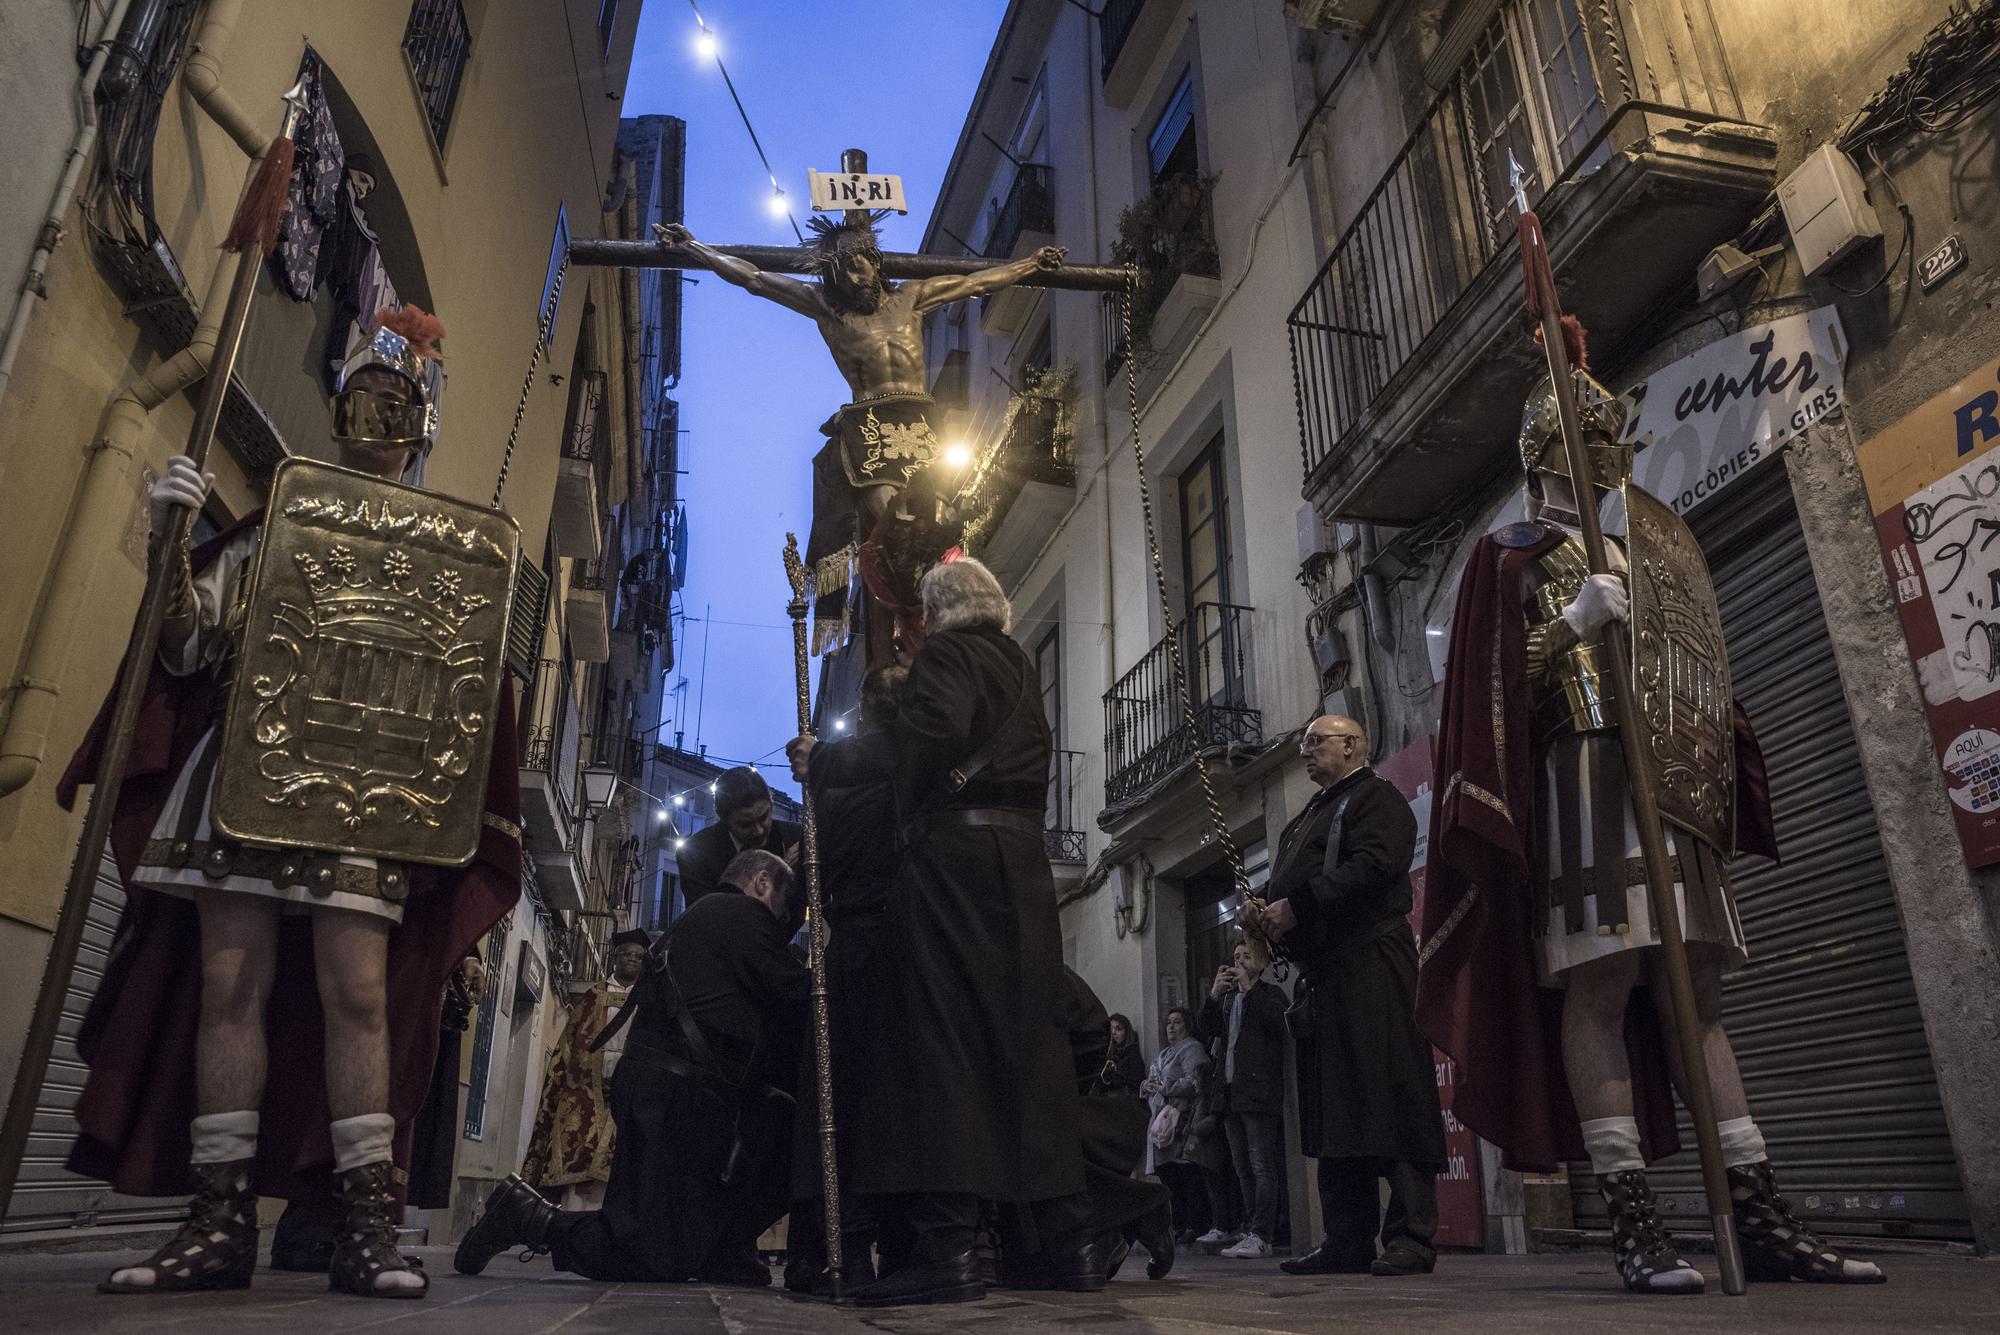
[[46, 1294]]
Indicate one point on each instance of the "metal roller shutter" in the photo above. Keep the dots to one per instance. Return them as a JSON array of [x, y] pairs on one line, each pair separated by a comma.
[[49, 1195], [1823, 1017]]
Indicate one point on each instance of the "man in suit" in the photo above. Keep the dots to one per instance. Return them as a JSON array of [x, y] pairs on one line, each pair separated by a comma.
[[1243, 1017], [742, 822], [1368, 1108]]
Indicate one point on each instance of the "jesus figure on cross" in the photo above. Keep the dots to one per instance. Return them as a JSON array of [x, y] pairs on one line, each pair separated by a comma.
[[882, 443]]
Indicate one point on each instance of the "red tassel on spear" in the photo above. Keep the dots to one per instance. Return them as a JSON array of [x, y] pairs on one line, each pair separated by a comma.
[[261, 212]]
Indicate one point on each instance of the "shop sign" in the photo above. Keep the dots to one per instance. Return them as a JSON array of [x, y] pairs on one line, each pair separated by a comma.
[[1706, 420], [1933, 484], [1461, 1218]]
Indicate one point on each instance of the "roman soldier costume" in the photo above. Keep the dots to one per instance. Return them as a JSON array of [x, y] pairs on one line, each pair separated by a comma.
[[1535, 867], [335, 734]]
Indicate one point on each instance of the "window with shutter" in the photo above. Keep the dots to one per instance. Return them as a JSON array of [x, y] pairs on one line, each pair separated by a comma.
[[525, 620]]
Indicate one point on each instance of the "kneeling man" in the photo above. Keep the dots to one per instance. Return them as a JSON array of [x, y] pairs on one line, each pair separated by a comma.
[[702, 1164]]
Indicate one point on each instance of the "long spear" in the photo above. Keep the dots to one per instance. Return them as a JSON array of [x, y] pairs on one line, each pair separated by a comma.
[[253, 233], [801, 580], [1545, 305]]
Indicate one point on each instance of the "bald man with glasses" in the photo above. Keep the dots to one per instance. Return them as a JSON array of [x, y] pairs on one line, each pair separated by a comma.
[[1368, 1108]]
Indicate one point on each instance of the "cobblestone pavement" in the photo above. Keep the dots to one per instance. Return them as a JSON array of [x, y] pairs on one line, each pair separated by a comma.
[[1484, 1295]]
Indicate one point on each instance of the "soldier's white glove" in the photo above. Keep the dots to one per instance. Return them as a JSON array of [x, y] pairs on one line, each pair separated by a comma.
[[181, 484], [1602, 599]]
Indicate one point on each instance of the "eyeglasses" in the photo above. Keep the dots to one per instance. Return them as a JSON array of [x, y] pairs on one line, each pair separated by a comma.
[[1311, 741]]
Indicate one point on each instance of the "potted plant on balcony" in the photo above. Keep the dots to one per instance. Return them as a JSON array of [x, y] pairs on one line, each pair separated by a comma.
[[1165, 233]]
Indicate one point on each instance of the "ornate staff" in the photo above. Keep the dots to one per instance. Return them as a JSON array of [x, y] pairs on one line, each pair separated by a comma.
[[801, 580], [252, 234], [1545, 305]]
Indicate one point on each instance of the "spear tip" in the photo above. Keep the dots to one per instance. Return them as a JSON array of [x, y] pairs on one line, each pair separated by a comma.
[[1517, 178]]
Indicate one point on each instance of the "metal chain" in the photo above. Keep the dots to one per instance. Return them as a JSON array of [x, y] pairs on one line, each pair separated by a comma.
[[1217, 821], [528, 381]]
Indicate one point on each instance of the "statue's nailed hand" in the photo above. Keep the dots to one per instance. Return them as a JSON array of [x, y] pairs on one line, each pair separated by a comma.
[[1050, 257], [672, 234]]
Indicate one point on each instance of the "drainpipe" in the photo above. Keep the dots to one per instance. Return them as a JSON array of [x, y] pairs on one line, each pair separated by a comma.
[[52, 223], [105, 500], [628, 295]]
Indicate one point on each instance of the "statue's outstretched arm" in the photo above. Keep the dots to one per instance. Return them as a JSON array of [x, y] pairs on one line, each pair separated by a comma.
[[787, 292], [935, 292]]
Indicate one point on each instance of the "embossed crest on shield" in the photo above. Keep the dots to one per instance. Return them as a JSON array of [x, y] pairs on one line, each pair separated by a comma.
[[1681, 672], [361, 718]]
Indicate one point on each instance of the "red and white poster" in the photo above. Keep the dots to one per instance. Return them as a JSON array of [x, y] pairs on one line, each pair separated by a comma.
[[1934, 484], [1461, 1218]]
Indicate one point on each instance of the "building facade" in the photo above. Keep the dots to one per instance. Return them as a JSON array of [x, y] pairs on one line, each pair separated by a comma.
[[473, 195], [1319, 194]]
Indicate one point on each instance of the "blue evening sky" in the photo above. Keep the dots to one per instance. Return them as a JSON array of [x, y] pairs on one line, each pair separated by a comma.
[[893, 77]]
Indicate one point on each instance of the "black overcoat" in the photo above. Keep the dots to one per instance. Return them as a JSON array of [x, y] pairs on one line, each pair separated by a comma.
[[709, 851], [1367, 1081], [973, 1090], [1259, 1083]]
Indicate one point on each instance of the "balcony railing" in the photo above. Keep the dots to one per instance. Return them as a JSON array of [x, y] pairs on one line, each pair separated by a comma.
[[1039, 447], [1548, 81], [1062, 838], [437, 43], [1114, 25], [1112, 308], [587, 575], [1030, 206], [551, 742], [580, 440], [1147, 734]]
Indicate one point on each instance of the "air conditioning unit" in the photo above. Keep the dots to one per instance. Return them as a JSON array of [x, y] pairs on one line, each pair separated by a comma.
[[1332, 15]]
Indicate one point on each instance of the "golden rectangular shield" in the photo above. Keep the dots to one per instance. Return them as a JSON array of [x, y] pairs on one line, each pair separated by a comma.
[[374, 645], [1681, 671]]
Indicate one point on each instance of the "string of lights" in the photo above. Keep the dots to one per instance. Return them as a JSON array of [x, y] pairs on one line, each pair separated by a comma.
[[709, 47]]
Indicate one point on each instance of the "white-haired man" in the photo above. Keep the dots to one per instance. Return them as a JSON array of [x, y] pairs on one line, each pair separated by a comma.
[[973, 1097]]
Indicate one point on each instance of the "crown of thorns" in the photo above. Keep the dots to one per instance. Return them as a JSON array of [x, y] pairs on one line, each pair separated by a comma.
[[831, 236]]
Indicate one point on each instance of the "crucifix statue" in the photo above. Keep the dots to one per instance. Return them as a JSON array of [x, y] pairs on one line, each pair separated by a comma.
[[879, 507]]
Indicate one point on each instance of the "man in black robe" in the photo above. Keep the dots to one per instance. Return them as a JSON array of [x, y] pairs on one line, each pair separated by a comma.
[[702, 1099], [1368, 1108], [742, 822], [974, 1097]]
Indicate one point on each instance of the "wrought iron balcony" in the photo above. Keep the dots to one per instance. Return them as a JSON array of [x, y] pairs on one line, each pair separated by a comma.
[[1062, 838], [1152, 729], [1626, 121], [1030, 207], [436, 43]]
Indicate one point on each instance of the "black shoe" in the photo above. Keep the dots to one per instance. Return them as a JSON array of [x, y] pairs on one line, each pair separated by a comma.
[[802, 1273], [1324, 1260], [953, 1280], [1400, 1259], [1078, 1268], [516, 1215], [1155, 1232]]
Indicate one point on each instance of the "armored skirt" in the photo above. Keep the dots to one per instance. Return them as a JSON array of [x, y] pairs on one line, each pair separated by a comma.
[[186, 853]]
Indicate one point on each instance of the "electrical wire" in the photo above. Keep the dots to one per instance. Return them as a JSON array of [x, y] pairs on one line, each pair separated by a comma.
[[755, 142]]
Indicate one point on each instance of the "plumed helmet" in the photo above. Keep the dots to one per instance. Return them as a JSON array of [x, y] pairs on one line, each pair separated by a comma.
[[1602, 416], [405, 339]]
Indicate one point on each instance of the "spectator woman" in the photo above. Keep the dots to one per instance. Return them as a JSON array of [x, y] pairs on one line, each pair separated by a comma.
[[1124, 1069], [1173, 1087]]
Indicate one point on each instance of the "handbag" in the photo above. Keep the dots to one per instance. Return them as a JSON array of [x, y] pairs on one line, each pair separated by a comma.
[[1166, 1122]]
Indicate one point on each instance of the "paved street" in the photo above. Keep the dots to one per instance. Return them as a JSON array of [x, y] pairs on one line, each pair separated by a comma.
[[1487, 1295]]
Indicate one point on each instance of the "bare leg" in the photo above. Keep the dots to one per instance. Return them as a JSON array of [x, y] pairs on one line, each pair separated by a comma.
[[1725, 1081], [239, 958], [350, 956], [1593, 1035]]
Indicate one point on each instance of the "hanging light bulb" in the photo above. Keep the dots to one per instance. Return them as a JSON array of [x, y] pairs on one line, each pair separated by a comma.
[[680, 844], [705, 45], [957, 454], [679, 801], [840, 725], [779, 208], [661, 814]]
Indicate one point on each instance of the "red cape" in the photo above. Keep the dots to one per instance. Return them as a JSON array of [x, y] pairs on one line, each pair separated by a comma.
[[138, 1036], [1479, 997]]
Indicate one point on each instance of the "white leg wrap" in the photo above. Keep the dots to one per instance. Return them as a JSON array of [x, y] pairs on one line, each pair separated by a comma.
[[223, 1137], [361, 1140], [1613, 1145]]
